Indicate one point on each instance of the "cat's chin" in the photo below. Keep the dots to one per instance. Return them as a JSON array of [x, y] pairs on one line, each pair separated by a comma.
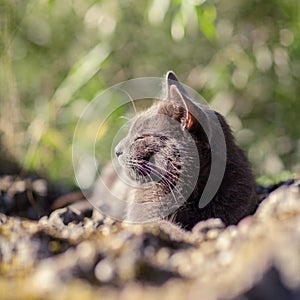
[[147, 178], [142, 179]]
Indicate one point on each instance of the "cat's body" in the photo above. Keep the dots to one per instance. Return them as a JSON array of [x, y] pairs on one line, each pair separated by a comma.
[[167, 154]]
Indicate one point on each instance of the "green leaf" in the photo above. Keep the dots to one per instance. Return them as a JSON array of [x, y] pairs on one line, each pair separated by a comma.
[[206, 17]]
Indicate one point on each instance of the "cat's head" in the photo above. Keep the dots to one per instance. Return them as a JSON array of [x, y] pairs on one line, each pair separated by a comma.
[[160, 146]]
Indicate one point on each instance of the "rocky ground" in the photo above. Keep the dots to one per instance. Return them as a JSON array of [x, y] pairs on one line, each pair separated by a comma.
[[65, 254]]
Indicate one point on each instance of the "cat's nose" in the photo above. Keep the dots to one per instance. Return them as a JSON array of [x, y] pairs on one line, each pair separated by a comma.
[[118, 152], [119, 148]]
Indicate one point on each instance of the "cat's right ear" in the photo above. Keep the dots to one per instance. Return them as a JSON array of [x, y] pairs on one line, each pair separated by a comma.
[[176, 96], [194, 112]]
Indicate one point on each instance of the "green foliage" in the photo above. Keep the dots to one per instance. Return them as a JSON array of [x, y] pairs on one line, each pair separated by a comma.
[[242, 56]]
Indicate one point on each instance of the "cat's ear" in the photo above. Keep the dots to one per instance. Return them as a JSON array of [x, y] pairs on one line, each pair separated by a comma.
[[171, 79], [171, 76], [176, 97], [196, 116], [179, 94]]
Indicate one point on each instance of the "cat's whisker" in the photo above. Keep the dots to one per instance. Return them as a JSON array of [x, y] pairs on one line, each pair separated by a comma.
[[165, 180], [175, 199], [171, 179], [149, 168], [138, 168], [146, 168], [170, 184], [165, 171]]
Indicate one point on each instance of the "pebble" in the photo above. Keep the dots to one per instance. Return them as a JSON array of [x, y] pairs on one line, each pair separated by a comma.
[[104, 271], [212, 234], [223, 242]]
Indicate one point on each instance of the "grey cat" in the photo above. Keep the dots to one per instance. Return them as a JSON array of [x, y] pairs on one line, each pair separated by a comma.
[[167, 159]]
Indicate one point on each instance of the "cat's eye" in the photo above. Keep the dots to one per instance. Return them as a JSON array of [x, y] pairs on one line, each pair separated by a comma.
[[139, 138], [142, 137], [161, 137]]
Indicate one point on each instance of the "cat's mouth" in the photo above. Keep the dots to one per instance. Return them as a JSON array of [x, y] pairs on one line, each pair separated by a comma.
[[144, 170], [155, 170], [141, 169]]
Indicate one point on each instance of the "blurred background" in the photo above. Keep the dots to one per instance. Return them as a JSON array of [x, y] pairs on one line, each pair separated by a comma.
[[242, 56]]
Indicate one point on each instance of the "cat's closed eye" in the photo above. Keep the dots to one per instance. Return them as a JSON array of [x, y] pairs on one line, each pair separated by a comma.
[[139, 138]]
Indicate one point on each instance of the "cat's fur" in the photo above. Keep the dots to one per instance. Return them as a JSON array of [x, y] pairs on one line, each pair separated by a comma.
[[162, 152]]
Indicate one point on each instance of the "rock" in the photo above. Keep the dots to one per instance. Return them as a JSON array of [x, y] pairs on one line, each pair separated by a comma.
[[64, 216], [27, 196], [68, 255]]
